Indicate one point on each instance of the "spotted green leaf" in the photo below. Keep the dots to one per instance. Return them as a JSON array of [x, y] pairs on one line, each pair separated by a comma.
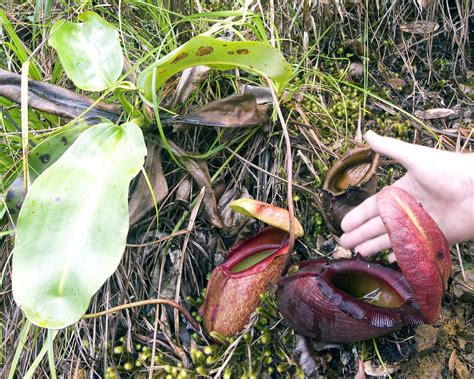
[[40, 158], [256, 57], [72, 228]]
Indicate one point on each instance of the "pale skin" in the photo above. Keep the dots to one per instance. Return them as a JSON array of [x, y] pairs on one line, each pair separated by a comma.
[[443, 182]]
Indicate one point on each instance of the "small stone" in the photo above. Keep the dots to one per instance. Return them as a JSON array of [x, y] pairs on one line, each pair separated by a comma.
[[378, 371], [397, 83], [426, 337], [464, 289], [428, 369], [356, 69], [341, 253]]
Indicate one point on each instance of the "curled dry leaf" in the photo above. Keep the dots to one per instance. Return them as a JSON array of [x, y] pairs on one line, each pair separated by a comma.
[[263, 95], [434, 113], [236, 111], [233, 221], [54, 99], [183, 191], [188, 82], [267, 213], [142, 201], [420, 27], [199, 171]]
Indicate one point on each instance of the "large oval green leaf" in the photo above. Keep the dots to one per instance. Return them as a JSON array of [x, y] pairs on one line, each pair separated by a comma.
[[72, 228], [257, 57], [90, 51], [40, 158]]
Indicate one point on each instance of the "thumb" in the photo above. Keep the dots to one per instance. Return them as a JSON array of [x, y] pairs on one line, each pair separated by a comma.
[[405, 153]]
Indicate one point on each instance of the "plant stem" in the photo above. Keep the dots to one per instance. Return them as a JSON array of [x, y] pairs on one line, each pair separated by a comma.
[[118, 308], [52, 368]]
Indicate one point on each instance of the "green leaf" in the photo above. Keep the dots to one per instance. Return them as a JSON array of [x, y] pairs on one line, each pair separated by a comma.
[[50, 149], [3, 210], [43, 155], [255, 57], [72, 228], [90, 51]]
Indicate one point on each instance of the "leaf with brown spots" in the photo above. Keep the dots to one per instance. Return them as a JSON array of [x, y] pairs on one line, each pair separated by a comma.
[[204, 50], [179, 58], [256, 57]]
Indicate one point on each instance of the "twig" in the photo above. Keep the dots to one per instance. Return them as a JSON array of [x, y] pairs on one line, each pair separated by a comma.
[[192, 219], [119, 308], [172, 235], [289, 168], [24, 122], [458, 251]]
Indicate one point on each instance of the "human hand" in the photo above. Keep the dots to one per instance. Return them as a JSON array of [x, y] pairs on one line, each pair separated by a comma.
[[442, 181]]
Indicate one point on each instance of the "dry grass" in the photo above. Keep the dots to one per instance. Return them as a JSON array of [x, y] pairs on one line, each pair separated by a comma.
[[328, 43]]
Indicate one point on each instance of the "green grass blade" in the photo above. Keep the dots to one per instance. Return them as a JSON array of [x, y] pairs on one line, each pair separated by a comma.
[[29, 374], [20, 50], [19, 349]]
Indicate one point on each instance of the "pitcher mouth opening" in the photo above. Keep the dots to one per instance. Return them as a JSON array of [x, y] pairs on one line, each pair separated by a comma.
[[353, 170], [255, 254]]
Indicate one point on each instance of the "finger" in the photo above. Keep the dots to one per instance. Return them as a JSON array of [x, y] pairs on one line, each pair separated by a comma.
[[373, 246], [367, 231], [405, 153], [360, 214]]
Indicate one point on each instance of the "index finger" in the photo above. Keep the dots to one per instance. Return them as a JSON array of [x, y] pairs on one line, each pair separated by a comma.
[[360, 214]]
